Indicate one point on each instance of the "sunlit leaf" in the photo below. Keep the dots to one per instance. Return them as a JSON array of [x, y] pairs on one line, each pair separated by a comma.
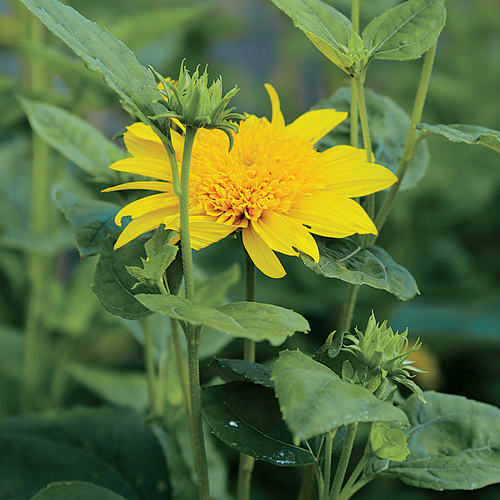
[[454, 444], [247, 418], [405, 32], [388, 442], [470, 134], [314, 400], [344, 259]]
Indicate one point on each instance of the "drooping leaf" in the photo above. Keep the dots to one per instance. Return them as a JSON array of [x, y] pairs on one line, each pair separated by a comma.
[[470, 134], [454, 444], [91, 221], [109, 447], [389, 125], [75, 139], [75, 490], [247, 418], [344, 259], [250, 320], [406, 31], [233, 370], [325, 26], [114, 285], [314, 400], [102, 52]]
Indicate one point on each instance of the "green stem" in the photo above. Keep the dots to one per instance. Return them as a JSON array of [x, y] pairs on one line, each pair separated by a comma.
[[247, 462], [346, 491], [408, 150], [348, 308], [345, 455], [192, 333], [328, 462], [150, 363], [307, 482], [181, 364]]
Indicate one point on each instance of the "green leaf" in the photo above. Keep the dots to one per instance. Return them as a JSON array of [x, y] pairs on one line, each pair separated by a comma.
[[102, 52], [75, 139], [124, 388], [314, 400], [344, 259], [389, 125], [470, 134], [405, 32], [250, 320], [91, 221], [247, 418], [75, 490], [454, 444], [109, 447], [240, 370], [325, 26], [387, 442], [212, 291], [114, 285], [160, 254]]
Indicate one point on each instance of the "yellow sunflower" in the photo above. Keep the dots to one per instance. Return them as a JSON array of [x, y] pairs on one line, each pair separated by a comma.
[[273, 186]]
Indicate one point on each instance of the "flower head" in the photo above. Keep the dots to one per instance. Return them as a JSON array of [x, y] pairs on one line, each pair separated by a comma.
[[273, 186]]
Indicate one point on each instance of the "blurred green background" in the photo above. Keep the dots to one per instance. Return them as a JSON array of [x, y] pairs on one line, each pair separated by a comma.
[[446, 231]]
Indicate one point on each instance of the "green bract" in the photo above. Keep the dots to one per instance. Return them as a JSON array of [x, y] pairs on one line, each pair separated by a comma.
[[380, 354], [196, 104]]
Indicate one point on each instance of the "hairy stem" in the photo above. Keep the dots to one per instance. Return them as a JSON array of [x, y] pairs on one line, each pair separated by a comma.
[[345, 455]]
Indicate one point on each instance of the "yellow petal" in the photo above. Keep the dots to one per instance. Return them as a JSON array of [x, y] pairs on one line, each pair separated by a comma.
[[319, 212], [348, 174], [315, 124], [303, 240], [355, 213], [262, 256], [139, 226], [151, 185], [276, 232], [204, 232], [150, 167], [140, 140], [277, 117], [167, 202]]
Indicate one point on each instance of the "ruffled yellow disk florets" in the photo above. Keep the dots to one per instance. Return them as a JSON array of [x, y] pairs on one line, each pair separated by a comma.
[[272, 185]]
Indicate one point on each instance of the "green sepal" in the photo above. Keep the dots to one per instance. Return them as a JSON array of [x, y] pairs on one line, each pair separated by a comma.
[[388, 442]]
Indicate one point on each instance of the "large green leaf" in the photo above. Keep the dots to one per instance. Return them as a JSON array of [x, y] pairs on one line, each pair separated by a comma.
[[344, 259], [470, 134], [314, 400], [405, 32], [91, 221], [114, 286], [389, 125], [454, 444], [325, 26], [241, 370], [247, 418], [108, 447], [102, 52], [75, 490], [250, 320], [75, 139]]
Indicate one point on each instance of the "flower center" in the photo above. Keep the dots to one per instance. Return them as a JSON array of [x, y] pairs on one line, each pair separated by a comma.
[[267, 169]]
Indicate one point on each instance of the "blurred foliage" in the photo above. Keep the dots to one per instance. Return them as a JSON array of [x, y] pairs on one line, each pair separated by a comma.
[[445, 231]]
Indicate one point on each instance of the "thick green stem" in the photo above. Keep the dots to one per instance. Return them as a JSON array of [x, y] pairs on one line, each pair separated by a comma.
[[192, 333], [349, 487], [348, 308], [345, 455], [246, 462], [408, 151]]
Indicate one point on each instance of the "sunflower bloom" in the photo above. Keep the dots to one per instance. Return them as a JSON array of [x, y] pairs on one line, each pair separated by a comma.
[[273, 186]]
